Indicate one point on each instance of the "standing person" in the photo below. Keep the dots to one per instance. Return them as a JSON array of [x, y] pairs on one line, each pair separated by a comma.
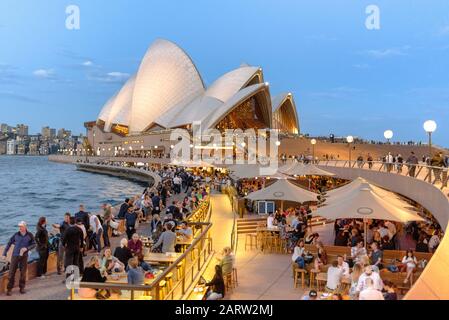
[[437, 161], [123, 209], [107, 218], [23, 242], [72, 240], [84, 216], [370, 292], [41, 238], [60, 254], [412, 162], [167, 239], [370, 161], [97, 230], [131, 219]]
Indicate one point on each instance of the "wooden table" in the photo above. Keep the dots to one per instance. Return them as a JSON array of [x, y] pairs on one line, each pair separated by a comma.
[[266, 229], [161, 257]]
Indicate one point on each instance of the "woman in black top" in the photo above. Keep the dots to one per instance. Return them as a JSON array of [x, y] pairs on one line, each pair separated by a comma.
[[42, 247], [92, 272], [123, 253], [421, 246], [217, 284]]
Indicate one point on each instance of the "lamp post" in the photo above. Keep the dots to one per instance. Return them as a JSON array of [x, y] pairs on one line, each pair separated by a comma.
[[349, 139], [430, 126], [388, 134], [313, 143]]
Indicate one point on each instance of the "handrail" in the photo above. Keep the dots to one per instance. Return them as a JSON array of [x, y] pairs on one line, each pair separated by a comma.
[[437, 176]]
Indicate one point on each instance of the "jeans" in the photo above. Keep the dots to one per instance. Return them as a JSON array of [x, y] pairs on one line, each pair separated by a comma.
[[98, 239], [20, 263], [106, 235], [60, 258], [42, 262], [72, 258], [300, 262]]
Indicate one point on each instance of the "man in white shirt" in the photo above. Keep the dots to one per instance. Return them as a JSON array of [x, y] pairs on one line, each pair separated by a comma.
[[343, 266], [334, 274], [270, 221], [97, 229], [369, 274], [358, 252], [370, 293], [434, 241]]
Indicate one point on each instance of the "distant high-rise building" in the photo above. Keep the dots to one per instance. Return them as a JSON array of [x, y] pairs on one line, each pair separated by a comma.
[[22, 130], [4, 128], [48, 133]]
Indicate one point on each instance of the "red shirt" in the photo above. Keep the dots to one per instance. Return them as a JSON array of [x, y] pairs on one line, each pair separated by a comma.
[[135, 247]]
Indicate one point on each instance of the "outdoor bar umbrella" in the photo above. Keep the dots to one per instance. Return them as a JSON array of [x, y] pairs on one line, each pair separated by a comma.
[[334, 195], [283, 190], [301, 169], [250, 171], [364, 203]]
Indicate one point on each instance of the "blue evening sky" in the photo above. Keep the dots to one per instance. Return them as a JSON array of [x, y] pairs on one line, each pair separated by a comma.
[[345, 78]]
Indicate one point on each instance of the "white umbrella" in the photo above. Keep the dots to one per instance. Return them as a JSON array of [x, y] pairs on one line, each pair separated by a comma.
[[364, 203], [301, 169], [283, 190], [249, 171]]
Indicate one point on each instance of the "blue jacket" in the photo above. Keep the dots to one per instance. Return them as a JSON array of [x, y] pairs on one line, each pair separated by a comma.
[[20, 241]]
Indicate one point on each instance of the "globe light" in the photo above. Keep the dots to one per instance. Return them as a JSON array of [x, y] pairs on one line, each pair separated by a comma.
[[191, 145], [430, 126], [141, 147], [155, 147], [172, 146], [278, 143], [388, 134], [243, 144], [350, 139], [313, 141]]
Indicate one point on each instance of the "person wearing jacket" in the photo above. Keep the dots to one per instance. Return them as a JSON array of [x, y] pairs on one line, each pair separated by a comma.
[[41, 238], [72, 240], [217, 284], [23, 242]]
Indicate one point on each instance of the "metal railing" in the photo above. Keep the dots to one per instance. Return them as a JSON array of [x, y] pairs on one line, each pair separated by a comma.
[[437, 176], [183, 273]]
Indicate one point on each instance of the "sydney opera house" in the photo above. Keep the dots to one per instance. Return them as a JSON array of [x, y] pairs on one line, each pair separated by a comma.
[[168, 92]]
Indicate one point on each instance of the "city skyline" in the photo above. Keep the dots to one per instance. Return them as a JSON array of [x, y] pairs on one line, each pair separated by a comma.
[[346, 79]]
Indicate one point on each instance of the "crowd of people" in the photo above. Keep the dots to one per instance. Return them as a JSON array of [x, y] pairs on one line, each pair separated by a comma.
[[87, 232]]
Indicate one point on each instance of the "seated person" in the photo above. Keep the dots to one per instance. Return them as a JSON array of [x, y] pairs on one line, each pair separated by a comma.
[[369, 292], [143, 264], [92, 273], [313, 295], [390, 291], [227, 261], [217, 284], [299, 254], [409, 261], [136, 274], [334, 275], [270, 221], [111, 264], [358, 252], [135, 244], [186, 232], [123, 253], [167, 239], [343, 266], [376, 255], [374, 276]]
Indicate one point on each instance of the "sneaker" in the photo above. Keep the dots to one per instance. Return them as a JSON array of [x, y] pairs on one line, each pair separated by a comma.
[[42, 277], [9, 293], [23, 291]]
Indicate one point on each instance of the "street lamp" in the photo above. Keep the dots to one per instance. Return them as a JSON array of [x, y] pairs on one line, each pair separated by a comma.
[[313, 143], [430, 126], [349, 139], [388, 134]]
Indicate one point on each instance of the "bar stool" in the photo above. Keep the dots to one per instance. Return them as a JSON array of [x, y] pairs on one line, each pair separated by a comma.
[[228, 281], [299, 271], [252, 237], [234, 276], [179, 267], [312, 274]]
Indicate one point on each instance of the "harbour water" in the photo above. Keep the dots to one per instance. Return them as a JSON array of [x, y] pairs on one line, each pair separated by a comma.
[[31, 187]]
